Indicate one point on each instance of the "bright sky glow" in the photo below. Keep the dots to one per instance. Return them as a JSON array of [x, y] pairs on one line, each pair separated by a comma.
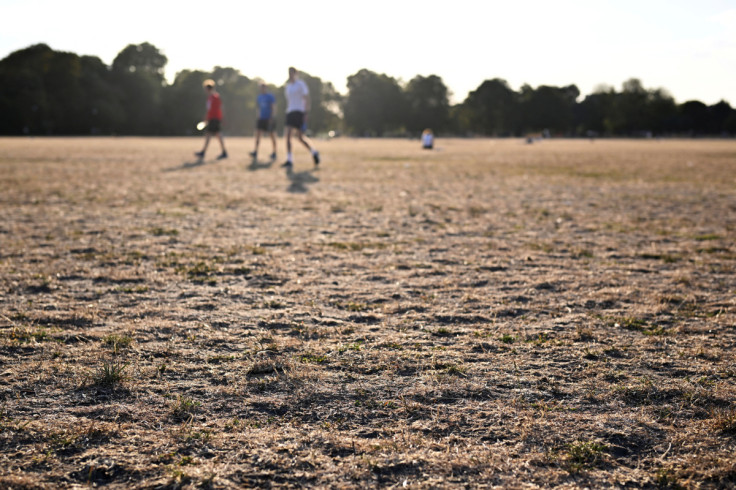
[[686, 47]]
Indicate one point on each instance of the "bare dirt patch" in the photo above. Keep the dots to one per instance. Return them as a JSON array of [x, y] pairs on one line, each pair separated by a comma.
[[489, 313]]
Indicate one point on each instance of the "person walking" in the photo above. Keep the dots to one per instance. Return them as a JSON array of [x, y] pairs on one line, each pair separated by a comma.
[[213, 118], [266, 102], [297, 107]]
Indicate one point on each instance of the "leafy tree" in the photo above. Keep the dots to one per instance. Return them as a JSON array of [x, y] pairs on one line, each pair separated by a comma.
[[428, 104], [238, 94], [493, 107], [729, 125], [633, 111], [593, 113], [23, 95], [661, 112], [374, 104], [628, 111], [101, 110], [61, 78], [325, 100], [183, 102], [51, 92], [637, 110], [461, 120], [548, 107], [44, 92], [718, 115], [138, 75], [694, 117], [141, 58]]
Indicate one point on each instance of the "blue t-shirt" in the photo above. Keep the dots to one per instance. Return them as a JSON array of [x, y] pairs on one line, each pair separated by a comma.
[[265, 102]]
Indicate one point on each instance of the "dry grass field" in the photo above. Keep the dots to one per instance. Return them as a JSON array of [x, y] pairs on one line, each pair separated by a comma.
[[489, 313]]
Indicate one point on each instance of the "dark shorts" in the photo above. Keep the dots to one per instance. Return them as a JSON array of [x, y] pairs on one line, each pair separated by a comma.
[[213, 126], [295, 119], [265, 125]]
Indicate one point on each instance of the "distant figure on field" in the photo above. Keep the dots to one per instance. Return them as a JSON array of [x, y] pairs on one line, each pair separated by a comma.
[[266, 102], [297, 106], [213, 118], [427, 139]]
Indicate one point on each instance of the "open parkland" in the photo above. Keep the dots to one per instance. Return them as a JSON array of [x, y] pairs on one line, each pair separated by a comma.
[[489, 313]]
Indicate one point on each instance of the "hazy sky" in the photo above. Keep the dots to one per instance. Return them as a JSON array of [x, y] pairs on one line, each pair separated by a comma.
[[685, 46]]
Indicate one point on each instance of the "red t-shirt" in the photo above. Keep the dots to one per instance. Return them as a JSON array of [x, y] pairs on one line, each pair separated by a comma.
[[214, 107]]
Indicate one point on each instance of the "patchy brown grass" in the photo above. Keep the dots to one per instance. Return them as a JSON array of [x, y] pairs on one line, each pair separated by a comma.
[[489, 313]]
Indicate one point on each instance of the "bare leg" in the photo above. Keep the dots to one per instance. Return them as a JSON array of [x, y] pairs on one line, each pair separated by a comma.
[[273, 140], [222, 142], [288, 139], [288, 164], [206, 143], [305, 141], [258, 140]]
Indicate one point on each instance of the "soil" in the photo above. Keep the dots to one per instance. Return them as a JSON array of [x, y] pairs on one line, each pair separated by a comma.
[[487, 313]]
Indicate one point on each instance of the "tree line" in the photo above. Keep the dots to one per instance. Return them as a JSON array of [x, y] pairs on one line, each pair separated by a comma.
[[48, 92]]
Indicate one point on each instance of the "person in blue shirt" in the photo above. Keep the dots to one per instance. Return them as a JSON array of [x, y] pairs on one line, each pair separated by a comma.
[[266, 102]]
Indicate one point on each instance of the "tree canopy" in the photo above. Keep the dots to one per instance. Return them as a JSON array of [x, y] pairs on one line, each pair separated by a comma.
[[52, 92], [374, 105]]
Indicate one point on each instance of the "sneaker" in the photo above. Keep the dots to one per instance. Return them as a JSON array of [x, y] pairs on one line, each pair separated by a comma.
[[222, 155], [253, 154], [199, 154], [287, 165], [273, 156], [315, 156]]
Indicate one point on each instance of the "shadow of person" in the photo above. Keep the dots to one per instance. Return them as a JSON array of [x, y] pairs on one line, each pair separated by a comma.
[[185, 166], [300, 181], [256, 165]]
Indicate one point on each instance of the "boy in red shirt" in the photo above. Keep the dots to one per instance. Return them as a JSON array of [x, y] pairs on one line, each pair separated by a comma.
[[214, 119]]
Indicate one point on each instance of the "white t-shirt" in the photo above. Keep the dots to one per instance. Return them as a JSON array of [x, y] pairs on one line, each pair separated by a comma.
[[295, 93]]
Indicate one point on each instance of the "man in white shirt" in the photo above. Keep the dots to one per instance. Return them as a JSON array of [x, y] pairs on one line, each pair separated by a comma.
[[297, 107]]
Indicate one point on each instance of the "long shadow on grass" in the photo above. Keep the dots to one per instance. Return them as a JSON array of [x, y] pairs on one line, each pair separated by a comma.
[[300, 180], [188, 165], [256, 165]]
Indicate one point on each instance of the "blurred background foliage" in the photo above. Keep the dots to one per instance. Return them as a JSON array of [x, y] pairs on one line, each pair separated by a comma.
[[48, 92]]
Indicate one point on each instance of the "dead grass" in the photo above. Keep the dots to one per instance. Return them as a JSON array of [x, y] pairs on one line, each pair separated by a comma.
[[486, 314]]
